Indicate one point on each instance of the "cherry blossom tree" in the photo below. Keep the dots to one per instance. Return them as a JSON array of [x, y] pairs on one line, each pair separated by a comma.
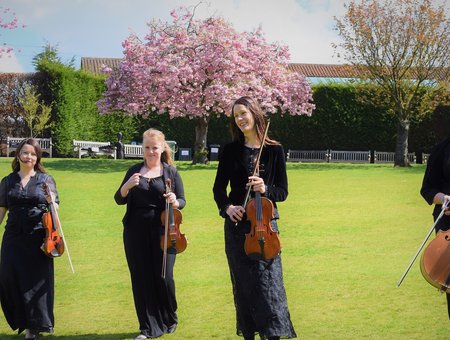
[[195, 68], [402, 45], [9, 21]]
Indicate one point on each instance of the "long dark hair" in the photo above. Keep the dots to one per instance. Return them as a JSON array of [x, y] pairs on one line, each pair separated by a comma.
[[260, 124], [37, 148]]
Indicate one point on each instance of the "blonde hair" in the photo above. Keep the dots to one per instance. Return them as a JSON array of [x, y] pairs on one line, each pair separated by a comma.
[[166, 155]]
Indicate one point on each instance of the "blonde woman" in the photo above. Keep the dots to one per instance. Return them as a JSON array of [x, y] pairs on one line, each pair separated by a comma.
[[143, 191]]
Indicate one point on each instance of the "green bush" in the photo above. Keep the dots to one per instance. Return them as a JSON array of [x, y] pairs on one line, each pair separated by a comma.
[[342, 120]]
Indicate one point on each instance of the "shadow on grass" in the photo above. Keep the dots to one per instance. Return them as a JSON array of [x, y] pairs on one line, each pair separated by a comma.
[[417, 168], [89, 165], [120, 336], [111, 165]]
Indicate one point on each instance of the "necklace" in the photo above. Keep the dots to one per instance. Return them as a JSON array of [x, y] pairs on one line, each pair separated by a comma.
[[151, 172]]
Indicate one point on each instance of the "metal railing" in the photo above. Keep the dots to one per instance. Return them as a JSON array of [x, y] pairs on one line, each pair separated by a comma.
[[307, 156], [347, 156], [388, 157]]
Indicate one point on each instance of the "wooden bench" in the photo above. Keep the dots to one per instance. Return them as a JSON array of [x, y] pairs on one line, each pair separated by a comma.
[[82, 147], [13, 142], [132, 151], [135, 151]]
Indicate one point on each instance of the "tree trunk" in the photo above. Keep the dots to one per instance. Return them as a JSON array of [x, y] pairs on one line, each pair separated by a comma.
[[401, 147], [201, 133]]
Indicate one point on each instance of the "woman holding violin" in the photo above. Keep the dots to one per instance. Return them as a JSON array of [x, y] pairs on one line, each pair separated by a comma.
[[259, 294], [143, 190], [436, 187], [26, 272]]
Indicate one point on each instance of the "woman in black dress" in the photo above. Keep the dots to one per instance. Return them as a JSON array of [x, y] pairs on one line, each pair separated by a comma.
[[143, 190], [259, 294], [26, 273], [436, 187]]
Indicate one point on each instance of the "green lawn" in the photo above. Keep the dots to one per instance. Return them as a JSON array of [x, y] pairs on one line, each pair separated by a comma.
[[348, 233]]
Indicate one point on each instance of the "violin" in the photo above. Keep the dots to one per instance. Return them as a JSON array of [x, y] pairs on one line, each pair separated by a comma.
[[172, 238], [262, 242], [54, 244]]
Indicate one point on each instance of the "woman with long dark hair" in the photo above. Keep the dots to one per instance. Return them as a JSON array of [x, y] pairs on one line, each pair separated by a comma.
[[258, 289], [26, 273]]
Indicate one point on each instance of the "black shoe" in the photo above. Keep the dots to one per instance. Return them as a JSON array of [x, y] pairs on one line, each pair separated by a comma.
[[31, 335], [172, 328]]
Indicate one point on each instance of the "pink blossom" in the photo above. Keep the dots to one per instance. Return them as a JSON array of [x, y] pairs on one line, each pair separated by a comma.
[[8, 21], [195, 68]]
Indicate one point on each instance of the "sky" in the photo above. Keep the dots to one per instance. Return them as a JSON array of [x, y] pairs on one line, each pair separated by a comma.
[[97, 28]]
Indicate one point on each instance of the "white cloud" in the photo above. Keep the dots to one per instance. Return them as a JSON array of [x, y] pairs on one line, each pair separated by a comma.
[[98, 27], [10, 64], [306, 30]]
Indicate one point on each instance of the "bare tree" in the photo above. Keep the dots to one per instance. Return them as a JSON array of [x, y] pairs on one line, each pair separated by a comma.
[[35, 114], [403, 46], [12, 87]]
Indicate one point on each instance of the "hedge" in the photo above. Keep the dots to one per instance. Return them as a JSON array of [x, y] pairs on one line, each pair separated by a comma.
[[341, 121]]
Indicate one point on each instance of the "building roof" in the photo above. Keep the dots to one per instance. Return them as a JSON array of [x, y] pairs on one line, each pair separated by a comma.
[[94, 65], [310, 71], [325, 70]]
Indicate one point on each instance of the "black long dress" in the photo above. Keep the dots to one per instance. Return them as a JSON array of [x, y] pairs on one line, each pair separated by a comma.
[[154, 297], [258, 289], [435, 180], [26, 273]]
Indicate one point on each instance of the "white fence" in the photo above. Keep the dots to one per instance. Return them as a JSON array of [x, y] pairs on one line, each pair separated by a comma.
[[388, 157], [350, 156], [13, 142], [347, 156], [307, 155]]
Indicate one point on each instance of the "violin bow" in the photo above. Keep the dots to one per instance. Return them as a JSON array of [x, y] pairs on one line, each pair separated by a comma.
[[255, 170], [59, 226], [166, 232], [444, 206]]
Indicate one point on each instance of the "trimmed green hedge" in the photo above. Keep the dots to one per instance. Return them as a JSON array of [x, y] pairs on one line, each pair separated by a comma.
[[74, 95], [341, 121]]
